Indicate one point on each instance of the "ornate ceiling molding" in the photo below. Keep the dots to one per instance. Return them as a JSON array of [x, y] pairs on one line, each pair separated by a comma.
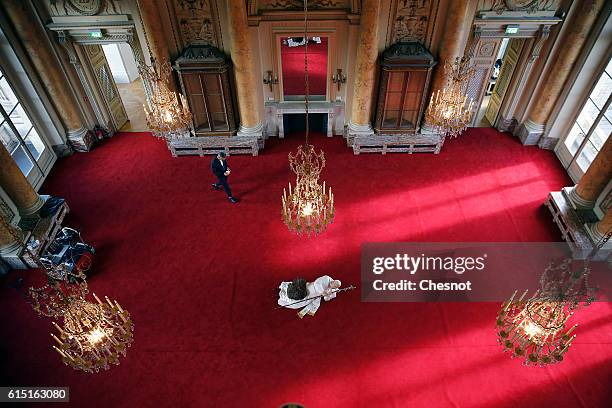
[[299, 4], [85, 8], [258, 7], [60, 8]]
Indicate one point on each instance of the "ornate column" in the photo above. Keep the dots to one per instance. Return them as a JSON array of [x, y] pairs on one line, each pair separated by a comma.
[[571, 43], [365, 70], [589, 187], [242, 58], [456, 27], [31, 33], [7, 241], [18, 188]]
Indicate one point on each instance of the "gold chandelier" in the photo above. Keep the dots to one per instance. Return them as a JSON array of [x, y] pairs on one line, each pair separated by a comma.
[[93, 335], [309, 207], [535, 329], [53, 299], [167, 116], [449, 111]]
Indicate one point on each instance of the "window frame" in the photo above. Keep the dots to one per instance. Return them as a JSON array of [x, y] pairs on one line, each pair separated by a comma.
[[5, 117], [571, 160]]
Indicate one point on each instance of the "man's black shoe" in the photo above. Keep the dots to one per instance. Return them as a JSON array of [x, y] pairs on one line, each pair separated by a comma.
[[216, 187], [233, 200]]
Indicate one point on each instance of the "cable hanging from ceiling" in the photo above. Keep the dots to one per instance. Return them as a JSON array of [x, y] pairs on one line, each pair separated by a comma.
[[308, 207]]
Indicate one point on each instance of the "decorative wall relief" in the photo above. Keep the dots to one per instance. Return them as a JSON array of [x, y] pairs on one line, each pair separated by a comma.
[[85, 7], [413, 20], [528, 6], [196, 22]]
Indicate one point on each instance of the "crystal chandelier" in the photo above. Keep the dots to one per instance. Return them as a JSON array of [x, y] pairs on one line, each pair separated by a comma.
[[53, 299], [535, 329], [449, 111], [309, 207], [167, 116], [93, 335]]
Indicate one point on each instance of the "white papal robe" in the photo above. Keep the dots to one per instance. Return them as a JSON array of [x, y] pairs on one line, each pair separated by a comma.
[[321, 286]]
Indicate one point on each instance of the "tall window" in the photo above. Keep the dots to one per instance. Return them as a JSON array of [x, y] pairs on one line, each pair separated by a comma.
[[17, 132], [592, 126]]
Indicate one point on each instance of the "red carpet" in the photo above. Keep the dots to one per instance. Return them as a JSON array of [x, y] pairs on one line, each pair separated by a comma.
[[293, 68], [199, 276]]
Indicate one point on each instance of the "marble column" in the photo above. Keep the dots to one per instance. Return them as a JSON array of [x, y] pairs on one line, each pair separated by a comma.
[[154, 32], [455, 30], [8, 244], [365, 70], [31, 33], [590, 186], [18, 188], [244, 70], [571, 44]]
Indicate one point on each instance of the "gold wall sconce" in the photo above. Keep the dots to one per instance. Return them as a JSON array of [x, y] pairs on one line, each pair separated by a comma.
[[339, 78], [270, 80]]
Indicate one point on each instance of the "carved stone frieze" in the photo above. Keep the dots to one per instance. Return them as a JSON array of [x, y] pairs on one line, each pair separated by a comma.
[[412, 20], [196, 22]]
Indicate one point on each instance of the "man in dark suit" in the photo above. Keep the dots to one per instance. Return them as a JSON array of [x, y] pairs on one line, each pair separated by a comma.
[[221, 171]]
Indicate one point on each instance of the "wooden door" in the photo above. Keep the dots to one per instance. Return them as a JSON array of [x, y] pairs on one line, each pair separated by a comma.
[[510, 60], [106, 85], [483, 59]]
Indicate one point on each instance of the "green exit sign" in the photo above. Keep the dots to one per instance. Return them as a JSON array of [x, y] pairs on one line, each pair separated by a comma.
[[512, 28], [95, 33]]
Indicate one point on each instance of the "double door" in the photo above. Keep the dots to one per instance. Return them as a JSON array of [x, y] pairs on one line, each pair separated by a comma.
[[485, 54], [107, 95]]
